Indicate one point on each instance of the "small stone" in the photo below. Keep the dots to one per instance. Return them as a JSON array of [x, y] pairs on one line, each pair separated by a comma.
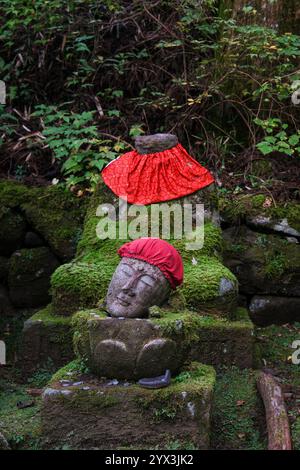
[[76, 384], [112, 382], [155, 143], [292, 239]]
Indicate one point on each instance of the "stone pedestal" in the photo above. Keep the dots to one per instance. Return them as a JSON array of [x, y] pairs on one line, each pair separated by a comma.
[[137, 348], [45, 337], [80, 411]]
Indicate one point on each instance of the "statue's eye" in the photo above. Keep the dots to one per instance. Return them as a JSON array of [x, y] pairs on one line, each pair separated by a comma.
[[148, 281]]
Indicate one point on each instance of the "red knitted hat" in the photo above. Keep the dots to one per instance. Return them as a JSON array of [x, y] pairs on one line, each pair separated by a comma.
[[159, 253], [155, 177]]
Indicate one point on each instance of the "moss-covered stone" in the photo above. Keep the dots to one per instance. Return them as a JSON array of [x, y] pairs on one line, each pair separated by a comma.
[[54, 213], [29, 276], [237, 412], [263, 263], [236, 209], [209, 284], [12, 230], [45, 337], [80, 285], [92, 414]]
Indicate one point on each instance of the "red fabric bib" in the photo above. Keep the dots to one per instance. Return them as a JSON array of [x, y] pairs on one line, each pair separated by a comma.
[[155, 177], [159, 253]]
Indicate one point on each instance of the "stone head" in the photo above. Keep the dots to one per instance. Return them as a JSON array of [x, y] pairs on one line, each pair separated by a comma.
[[149, 268]]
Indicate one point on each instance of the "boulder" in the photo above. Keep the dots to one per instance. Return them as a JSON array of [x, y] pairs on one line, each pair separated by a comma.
[[12, 230], [45, 337], [267, 310], [263, 263], [29, 276]]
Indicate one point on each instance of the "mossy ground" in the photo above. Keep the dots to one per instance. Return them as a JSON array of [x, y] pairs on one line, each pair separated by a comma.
[[21, 427], [275, 352], [237, 411]]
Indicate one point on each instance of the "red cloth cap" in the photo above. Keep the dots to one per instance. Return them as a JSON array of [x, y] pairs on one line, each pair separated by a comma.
[[155, 177], [159, 253]]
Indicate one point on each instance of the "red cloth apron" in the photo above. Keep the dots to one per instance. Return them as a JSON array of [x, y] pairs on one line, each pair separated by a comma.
[[155, 177]]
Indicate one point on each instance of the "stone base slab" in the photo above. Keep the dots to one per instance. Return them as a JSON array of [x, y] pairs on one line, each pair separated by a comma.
[[80, 411]]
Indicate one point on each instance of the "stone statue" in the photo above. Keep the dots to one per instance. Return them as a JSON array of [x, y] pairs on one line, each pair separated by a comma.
[[149, 268]]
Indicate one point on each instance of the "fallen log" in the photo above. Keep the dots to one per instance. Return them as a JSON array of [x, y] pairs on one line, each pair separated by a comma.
[[279, 436]]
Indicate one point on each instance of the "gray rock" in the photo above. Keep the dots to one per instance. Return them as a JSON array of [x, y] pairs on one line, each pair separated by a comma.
[[226, 286], [155, 143], [280, 226], [267, 310]]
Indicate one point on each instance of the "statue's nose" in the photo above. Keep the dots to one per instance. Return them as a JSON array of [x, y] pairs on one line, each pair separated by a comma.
[[129, 287]]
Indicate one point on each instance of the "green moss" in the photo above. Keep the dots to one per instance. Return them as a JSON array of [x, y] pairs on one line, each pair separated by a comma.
[[81, 332], [236, 411], [47, 316], [202, 282], [190, 327], [52, 211], [276, 266], [69, 371], [164, 404], [56, 329], [13, 194], [27, 261], [20, 426], [79, 285], [237, 208]]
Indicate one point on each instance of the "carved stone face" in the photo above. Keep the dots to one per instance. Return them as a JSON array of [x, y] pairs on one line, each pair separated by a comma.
[[135, 286]]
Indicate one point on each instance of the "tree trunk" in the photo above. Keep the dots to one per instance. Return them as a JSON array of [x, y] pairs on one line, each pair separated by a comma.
[[279, 437]]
